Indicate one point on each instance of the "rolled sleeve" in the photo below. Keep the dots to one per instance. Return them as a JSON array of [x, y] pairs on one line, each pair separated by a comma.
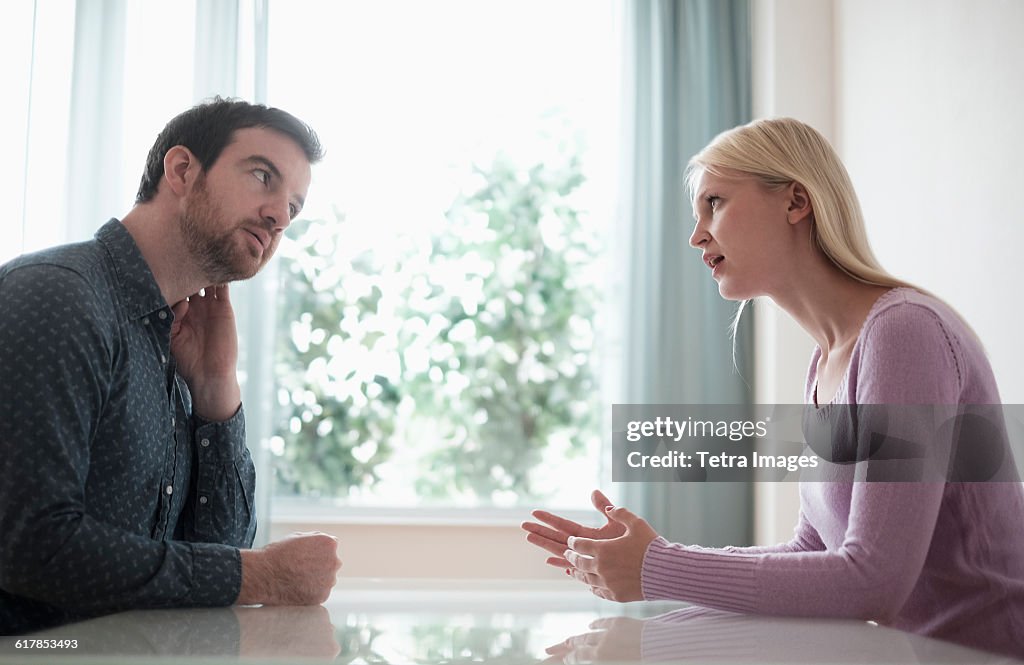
[[222, 502]]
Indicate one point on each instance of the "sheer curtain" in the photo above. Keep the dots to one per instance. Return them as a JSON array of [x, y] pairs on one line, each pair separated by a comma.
[[230, 61], [88, 88], [36, 43], [687, 77]]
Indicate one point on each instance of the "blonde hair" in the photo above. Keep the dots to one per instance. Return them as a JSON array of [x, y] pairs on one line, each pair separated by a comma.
[[780, 151]]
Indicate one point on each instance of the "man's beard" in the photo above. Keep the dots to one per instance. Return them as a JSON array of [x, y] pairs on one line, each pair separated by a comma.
[[218, 257]]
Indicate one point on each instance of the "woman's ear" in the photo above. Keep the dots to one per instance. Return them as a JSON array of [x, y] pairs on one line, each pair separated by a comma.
[[799, 203], [180, 167]]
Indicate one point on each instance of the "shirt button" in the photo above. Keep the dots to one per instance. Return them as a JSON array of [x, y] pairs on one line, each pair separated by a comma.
[[162, 315], [202, 500], [163, 358], [173, 421], [204, 443], [145, 320], [169, 489]]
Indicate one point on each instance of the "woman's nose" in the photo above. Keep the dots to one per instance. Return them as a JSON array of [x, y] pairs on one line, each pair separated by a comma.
[[699, 236]]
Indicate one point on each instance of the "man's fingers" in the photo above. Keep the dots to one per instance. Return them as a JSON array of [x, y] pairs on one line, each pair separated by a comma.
[[216, 293]]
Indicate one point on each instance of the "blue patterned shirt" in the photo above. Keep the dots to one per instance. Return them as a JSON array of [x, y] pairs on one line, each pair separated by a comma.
[[113, 495]]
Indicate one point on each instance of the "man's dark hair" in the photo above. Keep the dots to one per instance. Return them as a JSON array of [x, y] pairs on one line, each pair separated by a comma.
[[206, 129]]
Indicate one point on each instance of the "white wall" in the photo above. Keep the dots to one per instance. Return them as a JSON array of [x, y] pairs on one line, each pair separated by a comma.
[[793, 74], [922, 99], [929, 100]]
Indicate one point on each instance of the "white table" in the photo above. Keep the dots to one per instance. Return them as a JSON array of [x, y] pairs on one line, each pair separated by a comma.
[[459, 621]]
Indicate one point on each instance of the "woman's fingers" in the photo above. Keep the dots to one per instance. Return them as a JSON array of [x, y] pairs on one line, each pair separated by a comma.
[[562, 524], [557, 562], [545, 532], [555, 546], [600, 501]]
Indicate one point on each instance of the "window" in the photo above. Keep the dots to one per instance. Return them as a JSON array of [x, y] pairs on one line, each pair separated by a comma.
[[439, 319], [455, 233]]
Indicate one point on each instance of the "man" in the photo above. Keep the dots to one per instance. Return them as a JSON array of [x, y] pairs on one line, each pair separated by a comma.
[[125, 481]]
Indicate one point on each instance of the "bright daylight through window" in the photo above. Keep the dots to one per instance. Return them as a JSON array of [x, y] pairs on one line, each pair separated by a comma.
[[440, 300]]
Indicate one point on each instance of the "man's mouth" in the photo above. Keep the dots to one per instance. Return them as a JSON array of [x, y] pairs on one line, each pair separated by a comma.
[[262, 241], [713, 261]]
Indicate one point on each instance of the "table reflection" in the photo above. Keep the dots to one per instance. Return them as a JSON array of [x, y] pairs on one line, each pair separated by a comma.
[[376, 626], [265, 632], [696, 634]]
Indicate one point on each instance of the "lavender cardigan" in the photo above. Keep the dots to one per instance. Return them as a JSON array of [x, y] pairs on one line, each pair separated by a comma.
[[938, 559]]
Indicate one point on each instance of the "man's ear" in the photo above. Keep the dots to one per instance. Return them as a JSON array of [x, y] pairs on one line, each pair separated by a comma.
[[799, 203], [180, 169]]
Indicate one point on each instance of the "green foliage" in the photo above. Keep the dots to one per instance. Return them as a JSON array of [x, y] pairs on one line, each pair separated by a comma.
[[469, 354]]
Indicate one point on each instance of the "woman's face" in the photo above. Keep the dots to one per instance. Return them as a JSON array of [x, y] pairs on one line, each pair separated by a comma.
[[744, 233]]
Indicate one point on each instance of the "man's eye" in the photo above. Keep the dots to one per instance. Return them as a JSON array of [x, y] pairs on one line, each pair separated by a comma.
[[262, 176], [292, 211]]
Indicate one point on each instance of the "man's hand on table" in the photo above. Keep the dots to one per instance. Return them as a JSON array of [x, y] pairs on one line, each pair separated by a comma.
[[298, 570]]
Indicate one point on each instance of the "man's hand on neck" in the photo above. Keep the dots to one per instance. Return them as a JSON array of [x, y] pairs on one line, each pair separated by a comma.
[[205, 347]]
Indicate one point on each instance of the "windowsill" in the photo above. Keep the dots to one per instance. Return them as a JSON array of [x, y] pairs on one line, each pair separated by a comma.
[[301, 511]]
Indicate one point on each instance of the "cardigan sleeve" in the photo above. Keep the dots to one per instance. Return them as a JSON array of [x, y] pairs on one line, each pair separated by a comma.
[[805, 539]]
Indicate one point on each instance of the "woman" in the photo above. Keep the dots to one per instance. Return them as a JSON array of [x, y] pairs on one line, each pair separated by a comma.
[[777, 216]]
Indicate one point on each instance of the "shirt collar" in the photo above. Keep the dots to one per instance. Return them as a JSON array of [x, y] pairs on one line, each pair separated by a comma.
[[140, 294]]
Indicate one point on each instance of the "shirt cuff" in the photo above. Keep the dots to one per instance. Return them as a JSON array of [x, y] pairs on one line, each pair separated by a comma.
[[223, 440], [216, 575]]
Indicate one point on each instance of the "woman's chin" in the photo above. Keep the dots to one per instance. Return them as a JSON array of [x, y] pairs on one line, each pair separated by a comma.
[[734, 292], [728, 292]]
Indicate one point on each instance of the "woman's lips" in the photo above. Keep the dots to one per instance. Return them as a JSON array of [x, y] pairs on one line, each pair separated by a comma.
[[713, 261]]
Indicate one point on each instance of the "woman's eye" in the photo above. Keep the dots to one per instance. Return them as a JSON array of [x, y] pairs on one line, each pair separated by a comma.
[[713, 201], [292, 211]]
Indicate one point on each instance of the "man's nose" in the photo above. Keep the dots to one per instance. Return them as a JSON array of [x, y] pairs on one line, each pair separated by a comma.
[[276, 214]]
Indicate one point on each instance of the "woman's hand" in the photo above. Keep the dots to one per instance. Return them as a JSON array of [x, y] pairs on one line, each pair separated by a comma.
[[615, 639], [607, 559], [611, 567], [554, 537]]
